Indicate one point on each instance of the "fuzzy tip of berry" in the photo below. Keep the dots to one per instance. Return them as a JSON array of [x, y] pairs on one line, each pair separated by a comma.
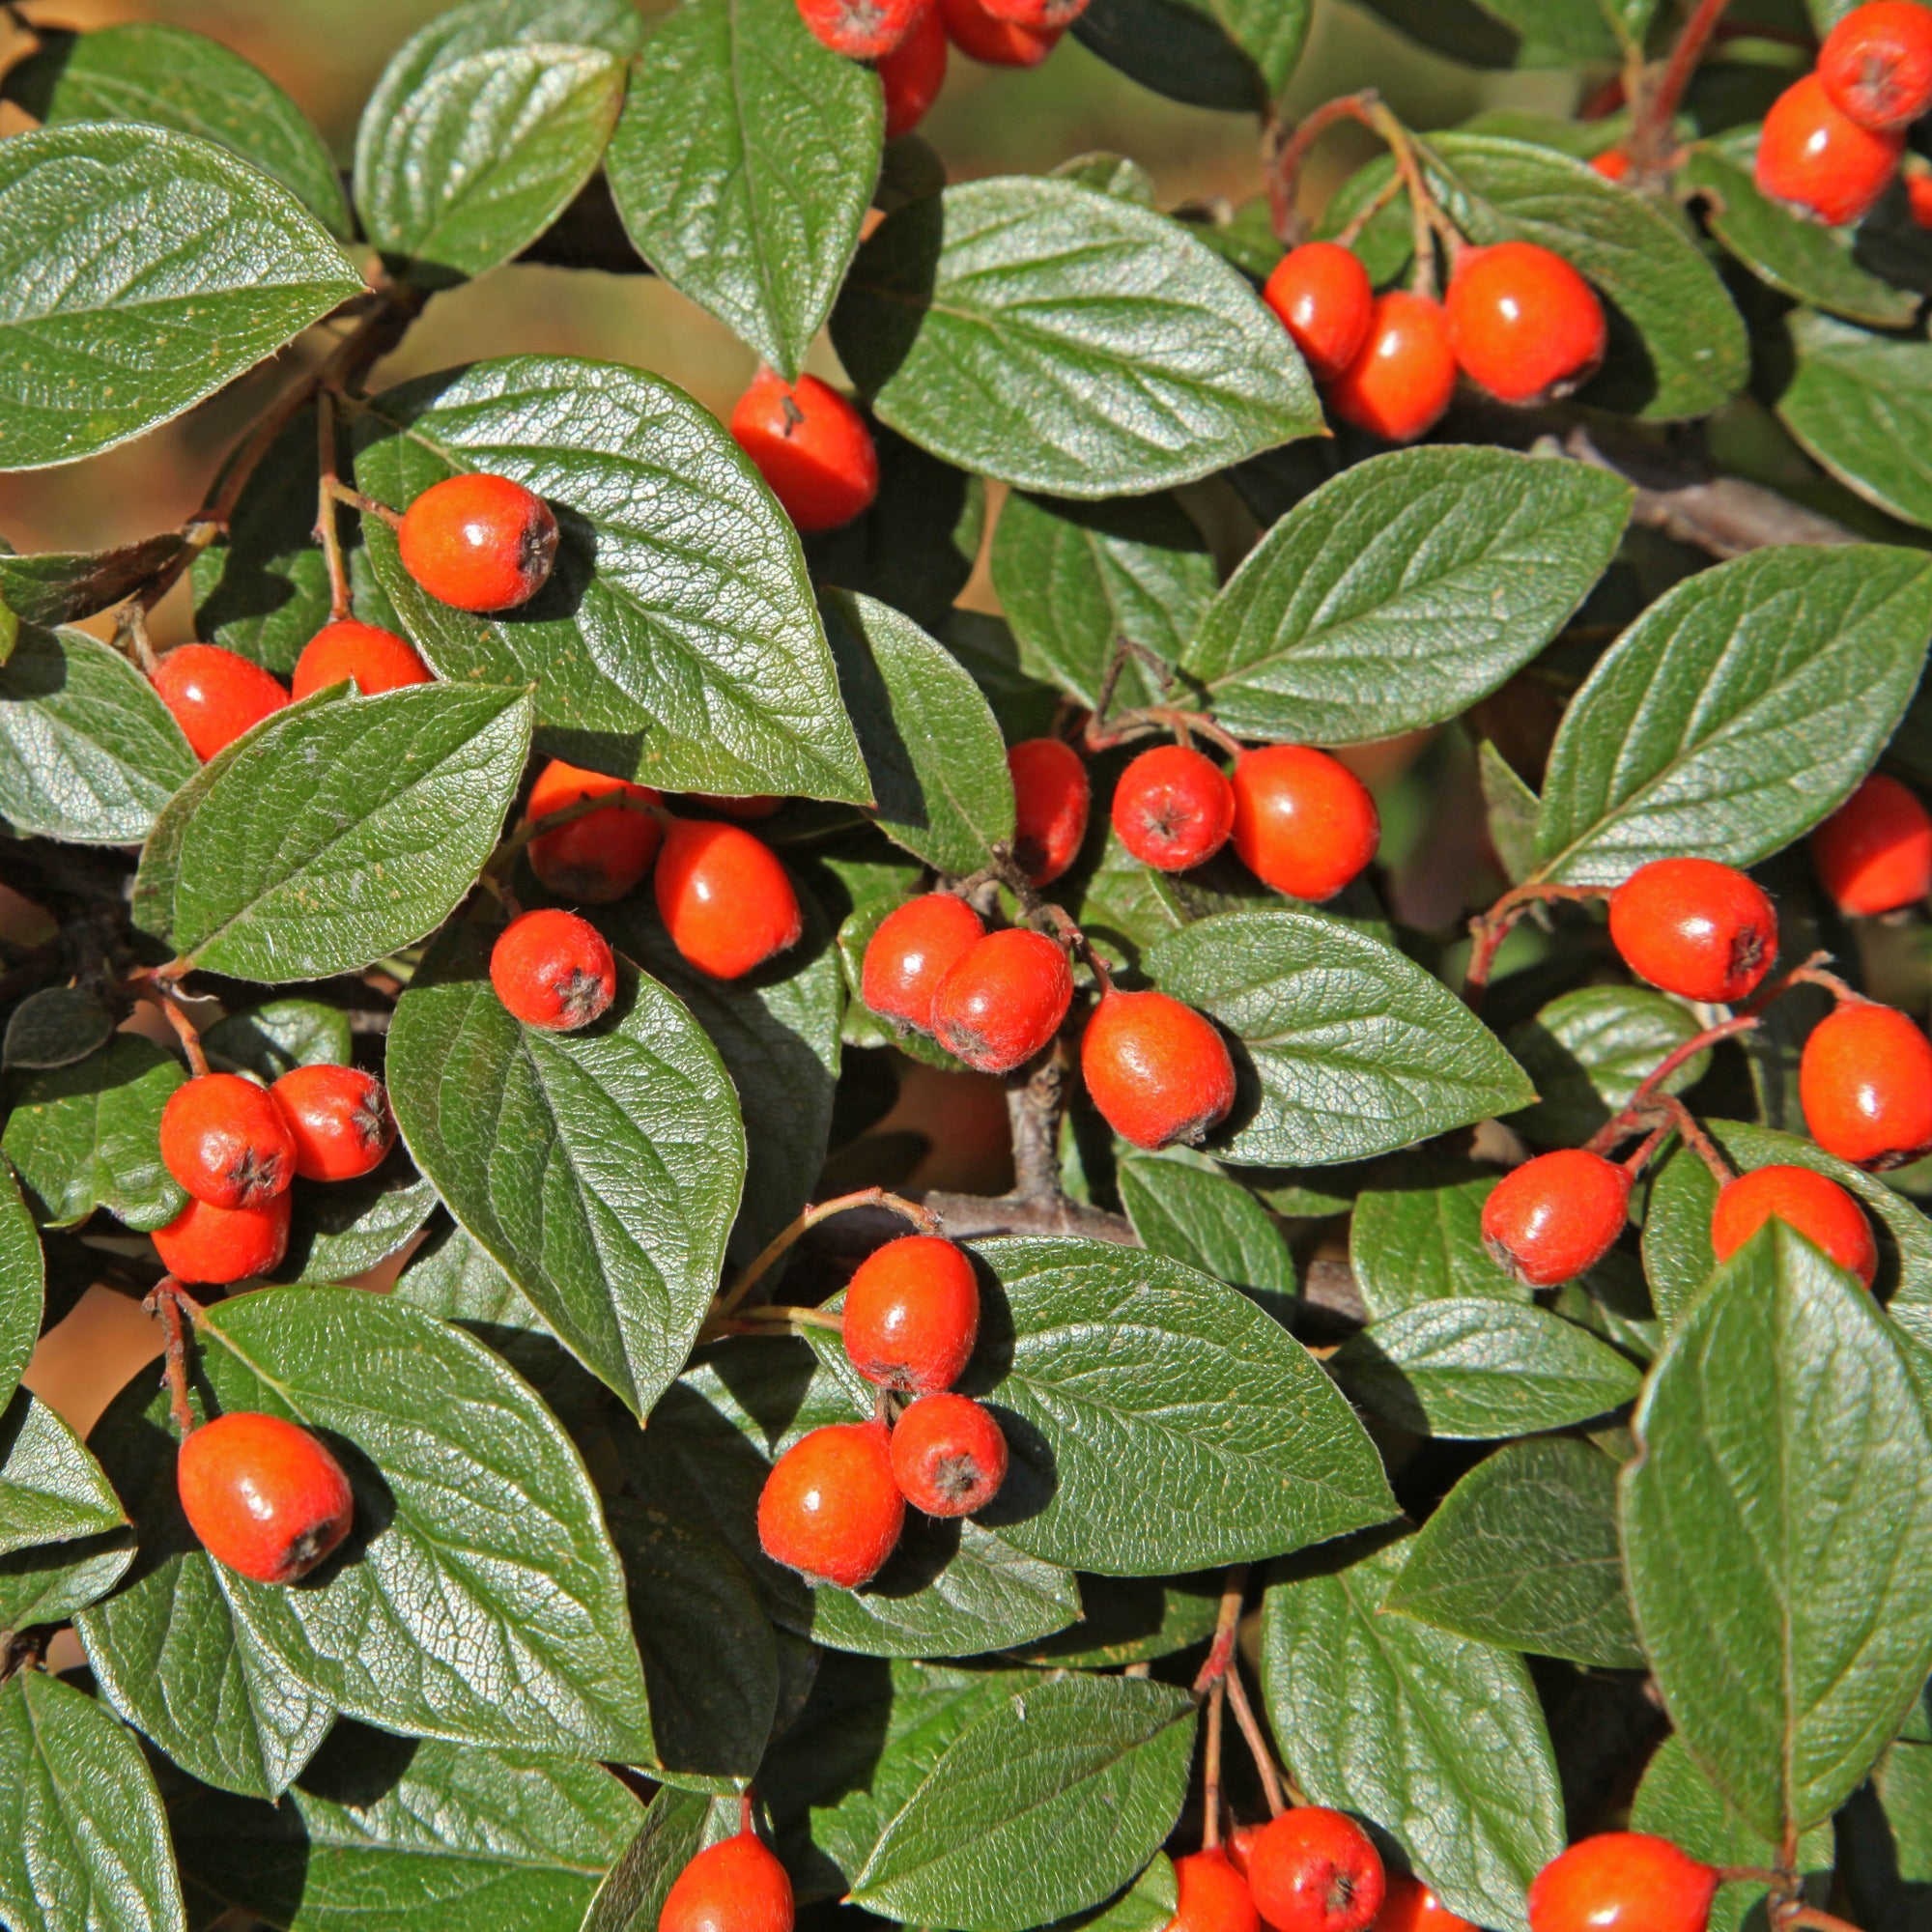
[[582, 998]]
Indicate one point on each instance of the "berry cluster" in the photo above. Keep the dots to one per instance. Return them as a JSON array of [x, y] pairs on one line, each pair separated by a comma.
[[1833, 141], [835, 1502]]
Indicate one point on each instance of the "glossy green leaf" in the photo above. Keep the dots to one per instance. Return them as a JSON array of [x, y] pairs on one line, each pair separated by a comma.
[[1580, 30], [676, 642], [164, 77], [1417, 1237], [932, 749], [1192, 1213], [1479, 1368], [83, 1839], [54, 587], [344, 1228], [484, 155], [1589, 1050], [390, 1834], [1524, 1554], [1048, 1803], [1131, 1619], [22, 1283], [743, 166], [1404, 590], [88, 751], [1509, 812], [1345, 1047], [1064, 340], [1778, 1532], [87, 1136], [1075, 580], [1736, 712], [600, 1169], [1458, 28], [51, 1489], [54, 1028], [141, 271], [341, 834], [50, 1583], [279, 1035], [676, 1826], [1233, 54]]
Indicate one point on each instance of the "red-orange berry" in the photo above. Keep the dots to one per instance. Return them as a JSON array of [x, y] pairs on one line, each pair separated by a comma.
[[600, 857], [1813, 1203], [1622, 1882], [207, 1243], [1051, 797], [831, 1509], [224, 1139], [915, 946], [1410, 1906], [339, 1118], [1876, 64], [1615, 165], [913, 74], [1404, 375], [1003, 1000], [1813, 156], [1523, 324], [377, 659], [214, 695], [478, 542], [736, 1885], [1556, 1216], [1864, 1081], [1315, 1870], [948, 1456], [912, 1313], [862, 29], [263, 1495], [983, 37], [1874, 854], [1174, 807], [1157, 1070], [554, 970], [1212, 1897], [1697, 928], [810, 445], [727, 902], [1324, 297], [1055, 16], [1304, 823]]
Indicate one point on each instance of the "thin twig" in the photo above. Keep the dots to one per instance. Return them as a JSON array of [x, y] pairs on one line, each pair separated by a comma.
[[165, 1300], [1251, 1731], [781, 1242], [1227, 1627], [1211, 1768], [327, 525]]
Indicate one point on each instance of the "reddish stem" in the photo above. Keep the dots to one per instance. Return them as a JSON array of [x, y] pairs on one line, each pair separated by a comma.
[[1251, 1732], [1693, 43], [160, 993], [1700, 1143], [1227, 1626], [165, 1299], [783, 1241], [1210, 1769], [1489, 929]]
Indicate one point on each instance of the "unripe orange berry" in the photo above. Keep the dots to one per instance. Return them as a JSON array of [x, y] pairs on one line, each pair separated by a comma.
[[1315, 1870], [1819, 159], [1697, 928], [1158, 1071], [831, 1509], [981, 37], [1813, 1203], [224, 1139], [554, 970], [479, 543], [735, 1885], [1003, 1000], [862, 29], [1864, 1081], [1876, 64], [915, 946], [1411, 1907], [340, 1120], [1212, 1897], [263, 1495], [912, 1313], [1174, 807], [1523, 324], [913, 74], [1041, 15], [1404, 375], [377, 659], [1874, 854], [1324, 297], [1622, 1882], [1615, 165], [1304, 823], [600, 857], [810, 445], [1051, 798], [948, 1454], [207, 1243], [727, 902], [1556, 1216], [214, 695]]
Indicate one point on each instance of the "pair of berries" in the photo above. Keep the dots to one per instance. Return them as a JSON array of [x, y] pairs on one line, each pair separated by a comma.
[[1310, 1869], [735, 1886], [811, 447], [1874, 854], [263, 1495], [236, 1148]]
